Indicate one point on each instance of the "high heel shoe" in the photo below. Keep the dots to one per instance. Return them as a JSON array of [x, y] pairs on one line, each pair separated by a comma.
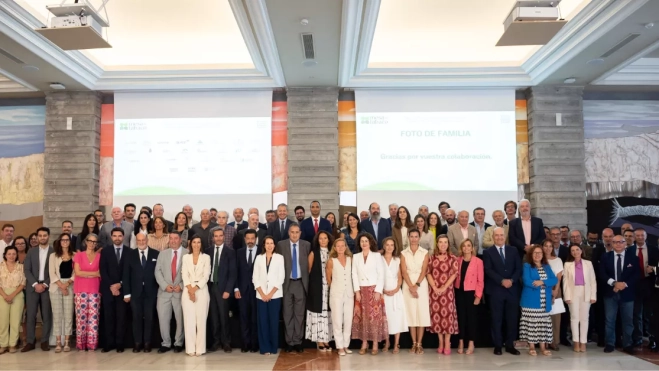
[[413, 348], [386, 347], [396, 349]]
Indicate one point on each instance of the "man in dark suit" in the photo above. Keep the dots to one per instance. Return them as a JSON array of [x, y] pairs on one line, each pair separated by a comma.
[[67, 227], [599, 253], [648, 257], [222, 282], [141, 291], [450, 215], [526, 230], [238, 221], [245, 292], [378, 228], [295, 252], [279, 228], [311, 225], [481, 226], [503, 268], [37, 282], [253, 224], [562, 252], [114, 309], [620, 271], [393, 214]]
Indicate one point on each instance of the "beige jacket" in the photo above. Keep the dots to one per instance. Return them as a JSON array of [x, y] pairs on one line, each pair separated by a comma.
[[455, 236], [590, 282], [488, 237], [53, 269]]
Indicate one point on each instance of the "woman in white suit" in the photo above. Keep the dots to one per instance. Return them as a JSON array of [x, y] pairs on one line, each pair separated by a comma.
[[268, 278], [195, 271], [579, 292], [342, 303]]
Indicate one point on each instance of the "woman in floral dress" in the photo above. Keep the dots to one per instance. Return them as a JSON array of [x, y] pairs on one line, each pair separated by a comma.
[[442, 270]]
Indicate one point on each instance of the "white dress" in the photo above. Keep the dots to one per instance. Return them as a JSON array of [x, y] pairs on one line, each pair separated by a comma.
[[394, 306]]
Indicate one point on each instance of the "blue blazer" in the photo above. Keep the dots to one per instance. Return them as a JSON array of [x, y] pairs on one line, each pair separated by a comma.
[[308, 233], [245, 271], [384, 230], [274, 230], [496, 271], [530, 293], [630, 274], [516, 233]]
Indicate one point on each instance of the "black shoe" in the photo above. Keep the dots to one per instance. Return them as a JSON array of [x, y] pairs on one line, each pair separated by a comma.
[[288, 348], [497, 351], [298, 348], [227, 349], [163, 350], [178, 349], [120, 349], [629, 350], [147, 348], [254, 350], [609, 349], [214, 348], [652, 343], [566, 343], [243, 350], [137, 348], [105, 350], [512, 351]]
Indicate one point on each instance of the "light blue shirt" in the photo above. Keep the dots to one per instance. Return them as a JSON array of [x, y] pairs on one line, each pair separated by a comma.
[[375, 228], [297, 262]]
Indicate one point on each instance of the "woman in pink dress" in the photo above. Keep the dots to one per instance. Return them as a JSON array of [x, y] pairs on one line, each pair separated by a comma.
[[87, 294], [442, 270]]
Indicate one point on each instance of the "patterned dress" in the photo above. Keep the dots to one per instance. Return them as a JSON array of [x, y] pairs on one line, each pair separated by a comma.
[[443, 314], [535, 325], [319, 325]]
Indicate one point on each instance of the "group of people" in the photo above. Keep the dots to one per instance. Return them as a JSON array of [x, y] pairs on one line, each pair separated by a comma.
[[373, 278]]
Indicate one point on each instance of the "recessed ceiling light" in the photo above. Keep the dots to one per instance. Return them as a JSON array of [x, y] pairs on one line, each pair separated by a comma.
[[309, 63], [27, 67], [649, 25], [304, 21], [595, 62], [57, 86], [570, 80]]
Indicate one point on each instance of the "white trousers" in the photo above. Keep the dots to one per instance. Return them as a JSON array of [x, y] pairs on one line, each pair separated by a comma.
[[342, 308], [579, 312], [194, 320]]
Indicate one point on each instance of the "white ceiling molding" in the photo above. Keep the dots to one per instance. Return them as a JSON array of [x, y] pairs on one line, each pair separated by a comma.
[[358, 28], [11, 84], [593, 22], [254, 24], [636, 70]]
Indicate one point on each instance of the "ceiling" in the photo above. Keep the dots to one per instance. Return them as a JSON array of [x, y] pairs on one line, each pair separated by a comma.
[[256, 44]]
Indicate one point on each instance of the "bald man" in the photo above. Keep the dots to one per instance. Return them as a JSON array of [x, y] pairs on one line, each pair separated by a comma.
[[461, 231], [238, 222], [117, 221], [203, 228]]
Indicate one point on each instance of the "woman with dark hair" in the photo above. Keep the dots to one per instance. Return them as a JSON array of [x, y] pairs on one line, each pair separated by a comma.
[[394, 304], [351, 232], [195, 271], [33, 241], [401, 227], [60, 268], [145, 224], [87, 292], [369, 321], [90, 225], [159, 238], [12, 283], [268, 278], [336, 231], [537, 282], [434, 226], [181, 226], [579, 292], [556, 265], [319, 322], [414, 268]]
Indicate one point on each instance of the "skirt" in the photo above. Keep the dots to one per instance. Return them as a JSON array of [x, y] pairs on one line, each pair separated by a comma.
[[535, 326], [369, 321]]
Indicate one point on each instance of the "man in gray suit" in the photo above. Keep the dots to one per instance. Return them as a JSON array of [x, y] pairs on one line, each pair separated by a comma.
[[169, 293], [37, 295], [295, 252], [117, 221]]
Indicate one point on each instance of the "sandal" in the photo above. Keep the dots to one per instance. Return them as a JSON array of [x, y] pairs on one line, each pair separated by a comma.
[[58, 347], [348, 351], [577, 349], [386, 347], [419, 349], [460, 350], [362, 351], [532, 352], [447, 351], [374, 352], [546, 353], [440, 350], [67, 348], [396, 349], [470, 350], [413, 348], [583, 347]]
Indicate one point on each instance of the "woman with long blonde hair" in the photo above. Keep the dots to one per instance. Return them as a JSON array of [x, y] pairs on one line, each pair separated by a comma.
[[341, 300]]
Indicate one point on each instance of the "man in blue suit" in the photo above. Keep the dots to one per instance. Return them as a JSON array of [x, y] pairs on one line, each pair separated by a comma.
[[378, 228], [619, 269], [535, 231], [503, 268], [311, 225], [279, 228]]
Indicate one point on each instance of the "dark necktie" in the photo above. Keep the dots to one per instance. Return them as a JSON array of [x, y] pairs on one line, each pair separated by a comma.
[[216, 266], [641, 262], [503, 257], [143, 260], [619, 268], [249, 257], [283, 228], [294, 261], [118, 255]]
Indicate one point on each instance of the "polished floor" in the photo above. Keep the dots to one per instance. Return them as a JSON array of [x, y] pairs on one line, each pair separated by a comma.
[[483, 359]]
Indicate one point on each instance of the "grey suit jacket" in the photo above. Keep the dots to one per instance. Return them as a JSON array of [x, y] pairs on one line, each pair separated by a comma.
[[164, 272], [31, 267], [455, 237], [105, 233], [304, 247]]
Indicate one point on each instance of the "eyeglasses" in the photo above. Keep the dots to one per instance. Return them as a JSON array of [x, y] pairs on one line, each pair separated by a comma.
[[92, 241], [19, 244]]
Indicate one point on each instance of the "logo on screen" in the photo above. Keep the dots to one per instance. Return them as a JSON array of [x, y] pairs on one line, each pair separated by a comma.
[[132, 126], [374, 120]]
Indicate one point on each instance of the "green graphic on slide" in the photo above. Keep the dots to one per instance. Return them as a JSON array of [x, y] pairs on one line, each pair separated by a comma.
[[153, 191], [396, 186]]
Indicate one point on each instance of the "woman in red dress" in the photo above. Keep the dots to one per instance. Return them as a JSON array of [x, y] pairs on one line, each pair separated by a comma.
[[442, 270]]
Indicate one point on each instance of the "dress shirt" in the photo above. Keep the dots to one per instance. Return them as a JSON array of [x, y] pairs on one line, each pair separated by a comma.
[[611, 281], [43, 255], [501, 251], [279, 225], [578, 274], [146, 258], [297, 262], [526, 227], [375, 227], [644, 250], [557, 249], [3, 244], [247, 251], [121, 250], [465, 232], [215, 263], [178, 256]]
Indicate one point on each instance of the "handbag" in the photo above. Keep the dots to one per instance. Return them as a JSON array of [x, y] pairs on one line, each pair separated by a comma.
[[558, 307]]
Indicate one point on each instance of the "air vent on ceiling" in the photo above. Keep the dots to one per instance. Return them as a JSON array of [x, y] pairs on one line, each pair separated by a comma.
[[307, 46], [10, 56], [621, 44]]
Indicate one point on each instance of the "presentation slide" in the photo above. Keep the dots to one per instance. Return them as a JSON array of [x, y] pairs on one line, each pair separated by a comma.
[[415, 158], [205, 162]]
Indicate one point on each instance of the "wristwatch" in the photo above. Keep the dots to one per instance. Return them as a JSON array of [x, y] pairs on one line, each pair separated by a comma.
[[418, 284]]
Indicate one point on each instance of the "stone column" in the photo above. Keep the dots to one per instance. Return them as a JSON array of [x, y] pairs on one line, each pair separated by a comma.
[[557, 156], [72, 158], [313, 148]]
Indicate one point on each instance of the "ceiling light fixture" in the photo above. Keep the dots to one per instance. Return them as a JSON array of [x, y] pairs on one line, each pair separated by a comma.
[[570, 80], [304, 22], [309, 63], [649, 25], [27, 67], [595, 62], [57, 86]]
